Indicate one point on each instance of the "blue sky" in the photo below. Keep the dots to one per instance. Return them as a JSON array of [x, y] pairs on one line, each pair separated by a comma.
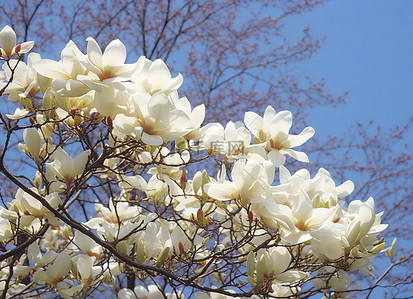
[[368, 52]]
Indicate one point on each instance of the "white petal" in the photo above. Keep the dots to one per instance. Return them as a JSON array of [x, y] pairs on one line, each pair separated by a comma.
[[276, 158], [104, 101], [345, 189], [225, 191], [281, 123], [268, 119], [115, 54], [175, 83], [26, 47], [70, 88], [125, 124], [79, 163], [197, 116], [253, 122], [126, 294], [159, 75], [84, 242], [296, 140], [158, 106], [299, 156], [94, 53], [18, 114], [154, 140], [284, 174], [51, 69]]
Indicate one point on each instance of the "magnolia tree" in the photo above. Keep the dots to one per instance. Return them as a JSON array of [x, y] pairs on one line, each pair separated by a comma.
[[113, 199]]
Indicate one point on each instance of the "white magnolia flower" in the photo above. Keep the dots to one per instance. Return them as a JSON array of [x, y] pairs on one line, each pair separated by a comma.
[[109, 66], [250, 183], [364, 224], [33, 142], [116, 213], [321, 189], [31, 207], [66, 168], [169, 165], [64, 73], [56, 272], [270, 264], [152, 77], [157, 239], [272, 131], [158, 121], [301, 219], [25, 82], [230, 141], [8, 43], [85, 269], [86, 244]]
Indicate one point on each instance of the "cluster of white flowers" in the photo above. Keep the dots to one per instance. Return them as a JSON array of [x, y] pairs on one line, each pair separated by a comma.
[[279, 236]]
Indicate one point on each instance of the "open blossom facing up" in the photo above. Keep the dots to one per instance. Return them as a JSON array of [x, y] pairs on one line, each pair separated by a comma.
[[272, 131], [115, 200]]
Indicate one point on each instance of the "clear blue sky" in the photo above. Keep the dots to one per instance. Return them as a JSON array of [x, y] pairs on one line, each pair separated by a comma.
[[368, 52]]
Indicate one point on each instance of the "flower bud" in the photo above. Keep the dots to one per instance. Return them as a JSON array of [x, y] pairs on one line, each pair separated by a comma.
[[162, 256], [109, 122], [250, 216], [80, 105], [183, 179], [7, 41], [200, 218], [376, 249], [251, 264], [28, 103], [121, 247], [181, 248], [50, 128], [197, 181], [33, 142], [18, 48]]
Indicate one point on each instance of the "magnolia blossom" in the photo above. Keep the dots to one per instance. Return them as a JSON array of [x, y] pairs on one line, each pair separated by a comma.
[[158, 121], [8, 44], [56, 272], [152, 77], [65, 72], [251, 183], [31, 208], [244, 229], [272, 131], [33, 142], [108, 66], [66, 168], [25, 82], [271, 264], [231, 141]]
